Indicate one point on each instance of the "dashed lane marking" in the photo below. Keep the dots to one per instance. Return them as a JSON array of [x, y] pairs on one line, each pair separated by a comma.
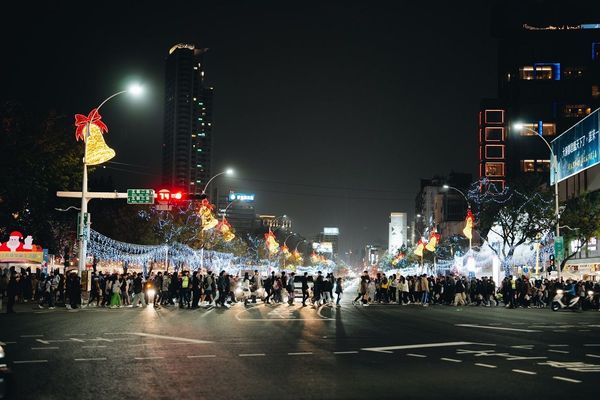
[[562, 378], [593, 355], [496, 328], [345, 352], [304, 353], [559, 351], [42, 341], [523, 346], [44, 348], [252, 355], [451, 359], [91, 359], [485, 365], [203, 356], [77, 340], [415, 346], [416, 355], [558, 345], [522, 371], [30, 361], [147, 358]]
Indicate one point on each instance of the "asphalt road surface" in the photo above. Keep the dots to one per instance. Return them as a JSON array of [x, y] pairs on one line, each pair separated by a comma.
[[289, 352]]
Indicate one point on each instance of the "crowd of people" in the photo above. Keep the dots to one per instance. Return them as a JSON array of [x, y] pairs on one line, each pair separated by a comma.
[[513, 291], [186, 289]]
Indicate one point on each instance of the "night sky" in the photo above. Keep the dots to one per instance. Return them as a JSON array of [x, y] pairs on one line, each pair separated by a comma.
[[330, 112]]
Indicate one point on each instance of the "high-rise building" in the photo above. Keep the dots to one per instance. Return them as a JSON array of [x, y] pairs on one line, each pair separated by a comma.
[[239, 210], [187, 120], [397, 232], [548, 79], [328, 241]]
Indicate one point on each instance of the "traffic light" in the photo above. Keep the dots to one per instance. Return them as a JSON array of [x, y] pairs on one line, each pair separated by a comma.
[[169, 196]]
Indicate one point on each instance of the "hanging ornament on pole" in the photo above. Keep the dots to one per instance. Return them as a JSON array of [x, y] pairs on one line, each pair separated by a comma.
[[468, 231], [434, 238], [90, 129], [225, 228], [419, 249], [271, 243], [206, 215]]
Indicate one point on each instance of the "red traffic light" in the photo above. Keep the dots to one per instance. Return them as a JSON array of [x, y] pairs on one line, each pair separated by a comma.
[[165, 196], [177, 196]]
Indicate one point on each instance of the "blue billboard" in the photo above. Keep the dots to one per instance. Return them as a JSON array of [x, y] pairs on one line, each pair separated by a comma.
[[578, 148]]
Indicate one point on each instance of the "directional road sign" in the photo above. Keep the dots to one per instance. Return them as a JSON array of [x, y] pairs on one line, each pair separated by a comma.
[[140, 196]]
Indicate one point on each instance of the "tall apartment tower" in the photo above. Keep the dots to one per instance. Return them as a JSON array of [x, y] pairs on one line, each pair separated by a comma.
[[188, 120]]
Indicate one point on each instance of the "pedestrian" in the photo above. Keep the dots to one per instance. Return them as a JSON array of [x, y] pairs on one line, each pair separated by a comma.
[[11, 292], [304, 289], [115, 298], [338, 290], [138, 295], [291, 288]]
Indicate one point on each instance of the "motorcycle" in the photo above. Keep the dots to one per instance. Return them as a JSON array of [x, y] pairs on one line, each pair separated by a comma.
[[559, 302], [590, 302]]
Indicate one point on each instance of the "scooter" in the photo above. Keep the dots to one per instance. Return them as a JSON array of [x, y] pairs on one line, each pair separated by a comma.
[[590, 302], [559, 302]]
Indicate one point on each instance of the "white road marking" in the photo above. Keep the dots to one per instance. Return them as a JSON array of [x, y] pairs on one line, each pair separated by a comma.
[[561, 378], [91, 359], [559, 351], [558, 345], [485, 365], [147, 358], [451, 359], [77, 340], [208, 312], [44, 348], [305, 353], [523, 346], [521, 371], [92, 347], [416, 355], [496, 328], [30, 361], [32, 335], [593, 355], [203, 356], [252, 355], [414, 346], [345, 352], [181, 339], [42, 341]]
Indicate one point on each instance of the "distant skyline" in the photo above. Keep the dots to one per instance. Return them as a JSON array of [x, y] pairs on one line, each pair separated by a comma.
[[331, 112]]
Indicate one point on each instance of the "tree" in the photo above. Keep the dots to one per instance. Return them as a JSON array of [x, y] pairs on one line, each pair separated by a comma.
[[513, 216], [579, 222], [38, 157]]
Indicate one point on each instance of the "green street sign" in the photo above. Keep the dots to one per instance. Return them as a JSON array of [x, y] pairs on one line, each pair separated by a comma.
[[86, 222], [140, 196], [559, 248]]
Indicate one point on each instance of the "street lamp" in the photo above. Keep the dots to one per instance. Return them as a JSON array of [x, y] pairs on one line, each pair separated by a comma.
[[459, 191], [135, 90], [228, 172], [519, 126]]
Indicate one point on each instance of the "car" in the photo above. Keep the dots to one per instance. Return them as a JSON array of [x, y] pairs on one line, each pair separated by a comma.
[[4, 376]]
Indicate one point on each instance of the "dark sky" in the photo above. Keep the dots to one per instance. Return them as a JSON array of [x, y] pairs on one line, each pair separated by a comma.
[[329, 111]]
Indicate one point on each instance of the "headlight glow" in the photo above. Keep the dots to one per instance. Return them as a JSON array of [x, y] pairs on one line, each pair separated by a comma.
[[151, 292], [559, 291]]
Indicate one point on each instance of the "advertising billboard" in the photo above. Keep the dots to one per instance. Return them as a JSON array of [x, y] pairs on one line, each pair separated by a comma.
[[331, 231], [241, 196], [578, 148]]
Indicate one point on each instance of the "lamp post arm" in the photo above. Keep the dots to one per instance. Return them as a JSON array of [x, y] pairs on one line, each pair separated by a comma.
[[210, 180], [462, 194]]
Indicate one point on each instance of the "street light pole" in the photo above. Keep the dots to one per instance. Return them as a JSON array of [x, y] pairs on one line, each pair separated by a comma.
[[83, 224], [554, 165], [468, 205], [228, 171]]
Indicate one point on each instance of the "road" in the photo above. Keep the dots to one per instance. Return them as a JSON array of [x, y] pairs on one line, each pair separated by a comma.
[[290, 352]]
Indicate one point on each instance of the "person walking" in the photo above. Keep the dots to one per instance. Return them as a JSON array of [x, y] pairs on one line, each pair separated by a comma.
[[138, 294], [304, 289], [338, 290]]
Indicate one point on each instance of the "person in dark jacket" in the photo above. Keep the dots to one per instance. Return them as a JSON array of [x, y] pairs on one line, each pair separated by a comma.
[[338, 290], [75, 291], [11, 290], [304, 289]]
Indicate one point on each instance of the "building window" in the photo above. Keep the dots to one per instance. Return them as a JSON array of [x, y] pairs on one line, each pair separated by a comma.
[[530, 129], [494, 151], [576, 110], [535, 165], [540, 71], [591, 245], [494, 116], [573, 72], [494, 169], [494, 134]]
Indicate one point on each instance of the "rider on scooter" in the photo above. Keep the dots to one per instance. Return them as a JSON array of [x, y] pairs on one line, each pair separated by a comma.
[[569, 291]]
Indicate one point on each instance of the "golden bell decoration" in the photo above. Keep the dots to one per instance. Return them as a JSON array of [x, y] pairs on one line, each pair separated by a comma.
[[90, 129], [226, 230], [206, 216], [271, 243], [96, 149]]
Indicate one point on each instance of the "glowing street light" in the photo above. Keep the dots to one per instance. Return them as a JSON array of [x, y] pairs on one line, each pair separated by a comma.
[[228, 172]]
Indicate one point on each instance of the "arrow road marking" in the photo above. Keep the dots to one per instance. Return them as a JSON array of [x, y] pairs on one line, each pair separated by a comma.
[[496, 328]]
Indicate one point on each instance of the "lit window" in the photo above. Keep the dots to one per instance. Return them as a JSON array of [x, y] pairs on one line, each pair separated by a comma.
[[540, 71], [494, 169], [576, 110], [530, 129], [527, 165], [592, 244], [575, 245], [573, 72]]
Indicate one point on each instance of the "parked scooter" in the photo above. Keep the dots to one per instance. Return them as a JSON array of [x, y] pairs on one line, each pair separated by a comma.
[[560, 301]]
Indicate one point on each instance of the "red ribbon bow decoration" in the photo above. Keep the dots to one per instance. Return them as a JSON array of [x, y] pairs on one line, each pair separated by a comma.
[[206, 203], [92, 118]]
